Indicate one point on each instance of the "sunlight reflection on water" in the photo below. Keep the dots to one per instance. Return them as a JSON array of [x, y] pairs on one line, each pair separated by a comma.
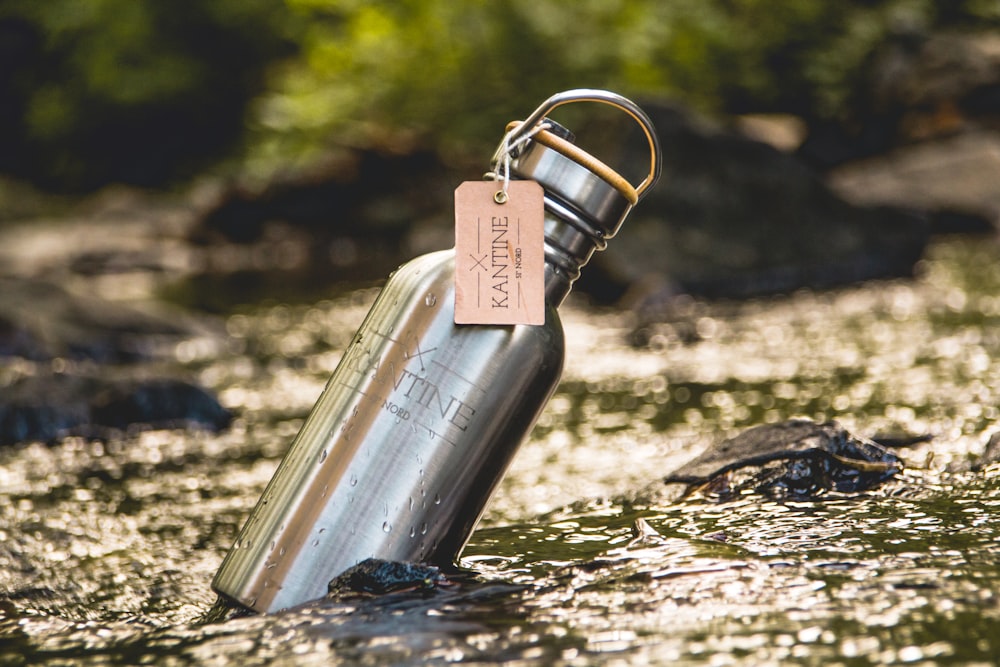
[[108, 548]]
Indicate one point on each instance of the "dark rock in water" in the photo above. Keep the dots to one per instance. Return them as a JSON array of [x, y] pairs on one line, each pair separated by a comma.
[[367, 194], [41, 321], [17, 340], [46, 408], [797, 458], [158, 403], [374, 576], [350, 219], [990, 455], [33, 410], [954, 177], [735, 217]]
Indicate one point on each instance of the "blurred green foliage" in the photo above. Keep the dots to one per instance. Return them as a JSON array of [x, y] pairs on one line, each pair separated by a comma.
[[140, 91], [170, 84]]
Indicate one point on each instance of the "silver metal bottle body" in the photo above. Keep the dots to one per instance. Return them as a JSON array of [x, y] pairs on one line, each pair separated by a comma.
[[419, 422], [403, 449]]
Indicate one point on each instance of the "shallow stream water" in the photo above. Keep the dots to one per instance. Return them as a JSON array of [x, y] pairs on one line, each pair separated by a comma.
[[107, 549]]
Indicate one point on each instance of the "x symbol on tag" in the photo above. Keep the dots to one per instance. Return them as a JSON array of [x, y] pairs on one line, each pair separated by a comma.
[[478, 262]]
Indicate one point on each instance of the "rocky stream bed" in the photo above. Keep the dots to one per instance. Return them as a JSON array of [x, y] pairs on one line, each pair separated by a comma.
[[154, 371], [110, 538]]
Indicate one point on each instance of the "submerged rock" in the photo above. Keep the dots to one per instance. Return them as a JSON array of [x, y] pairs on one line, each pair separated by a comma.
[[980, 462], [49, 407], [990, 455], [101, 345], [794, 458], [42, 321], [375, 576]]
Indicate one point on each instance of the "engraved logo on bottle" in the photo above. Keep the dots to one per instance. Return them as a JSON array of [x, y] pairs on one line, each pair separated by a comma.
[[405, 380]]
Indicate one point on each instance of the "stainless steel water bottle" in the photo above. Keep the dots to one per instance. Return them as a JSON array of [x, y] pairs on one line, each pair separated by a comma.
[[422, 416]]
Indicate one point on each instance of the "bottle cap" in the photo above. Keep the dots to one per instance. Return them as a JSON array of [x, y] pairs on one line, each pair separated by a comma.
[[540, 149]]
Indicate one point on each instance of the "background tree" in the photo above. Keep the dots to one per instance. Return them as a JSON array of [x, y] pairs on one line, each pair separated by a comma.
[[143, 91]]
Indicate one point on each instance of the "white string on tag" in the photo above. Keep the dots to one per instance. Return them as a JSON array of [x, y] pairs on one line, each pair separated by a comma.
[[507, 147]]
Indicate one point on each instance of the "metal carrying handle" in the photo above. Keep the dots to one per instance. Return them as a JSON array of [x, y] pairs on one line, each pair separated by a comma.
[[603, 97]]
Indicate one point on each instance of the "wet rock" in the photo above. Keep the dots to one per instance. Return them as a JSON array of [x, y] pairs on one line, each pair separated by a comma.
[[43, 321], [797, 458], [954, 176], [353, 218], [990, 455], [157, 403], [364, 195], [75, 367], [735, 217], [374, 576], [49, 407]]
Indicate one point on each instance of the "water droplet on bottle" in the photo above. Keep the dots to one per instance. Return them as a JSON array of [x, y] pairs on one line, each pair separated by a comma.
[[354, 480], [437, 499], [248, 544], [430, 299], [386, 527], [315, 543], [323, 455], [411, 503], [423, 528], [273, 543], [281, 551], [322, 530], [413, 531]]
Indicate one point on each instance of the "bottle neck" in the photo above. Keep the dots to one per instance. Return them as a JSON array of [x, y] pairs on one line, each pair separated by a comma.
[[570, 240]]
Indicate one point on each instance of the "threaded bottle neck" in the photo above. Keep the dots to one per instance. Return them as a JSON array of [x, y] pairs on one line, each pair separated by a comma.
[[585, 203], [570, 241]]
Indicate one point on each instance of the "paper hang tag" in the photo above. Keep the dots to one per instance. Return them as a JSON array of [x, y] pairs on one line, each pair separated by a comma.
[[499, 254]]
